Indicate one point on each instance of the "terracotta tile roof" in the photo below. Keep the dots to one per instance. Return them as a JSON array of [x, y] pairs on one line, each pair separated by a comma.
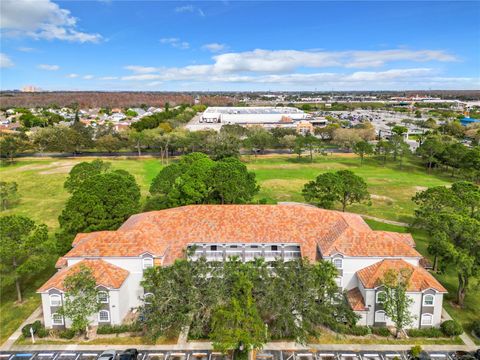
[[168, 232], [105, 274], [420, 279], [355, 300], [61, 263]]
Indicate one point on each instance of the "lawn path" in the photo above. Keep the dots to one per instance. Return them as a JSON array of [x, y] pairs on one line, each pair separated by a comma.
[[385, 221]]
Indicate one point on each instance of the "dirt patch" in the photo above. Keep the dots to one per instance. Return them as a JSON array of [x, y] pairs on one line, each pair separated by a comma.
[[420, 188], [385, 199]]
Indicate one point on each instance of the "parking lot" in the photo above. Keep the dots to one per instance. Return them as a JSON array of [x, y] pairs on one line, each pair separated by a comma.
[[209, 355]]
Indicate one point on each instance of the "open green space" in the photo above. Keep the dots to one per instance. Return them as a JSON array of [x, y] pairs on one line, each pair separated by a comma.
[[281, 178]]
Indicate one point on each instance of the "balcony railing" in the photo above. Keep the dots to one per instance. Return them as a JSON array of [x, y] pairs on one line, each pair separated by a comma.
[[246, 255]]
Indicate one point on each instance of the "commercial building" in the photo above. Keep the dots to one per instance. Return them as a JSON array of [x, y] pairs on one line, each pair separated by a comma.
[[252, 115], [217, 232]]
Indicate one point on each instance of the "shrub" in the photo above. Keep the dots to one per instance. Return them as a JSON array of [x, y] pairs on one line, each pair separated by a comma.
[[35, 325], [476, 327], [451, 328], [118, 329], [381, 331], [67, 334], [349, 330], [415, 351], [428, 333], [42, 332]]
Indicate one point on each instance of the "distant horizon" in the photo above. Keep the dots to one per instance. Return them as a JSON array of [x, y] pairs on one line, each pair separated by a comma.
[[240, 46]]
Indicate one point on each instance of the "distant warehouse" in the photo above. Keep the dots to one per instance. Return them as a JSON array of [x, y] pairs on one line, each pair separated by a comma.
[[252, 115]]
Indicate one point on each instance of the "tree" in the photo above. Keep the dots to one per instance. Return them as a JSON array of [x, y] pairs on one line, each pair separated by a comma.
[[11, 145], [397, 146], [238, 324], [109, 143], [397, 302], [288, 142], [83, 171], [81, 298], [258, 139], [137, 139], [362, 148], [101, 202], [346, 138], [342, 186], [430, 149], [383, 149], [452, 216], [8, 194], [223, 145], [25, 250]]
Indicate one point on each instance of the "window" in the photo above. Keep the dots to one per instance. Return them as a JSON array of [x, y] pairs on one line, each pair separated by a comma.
[[428, 300], [57, 319], [147, 262], [338, 281], [213, 247], [102, 297], [427, 319], [381, 295], [274, 248], [104, 315], [338, 263], [147, 298], [55, 300], [380, 316]]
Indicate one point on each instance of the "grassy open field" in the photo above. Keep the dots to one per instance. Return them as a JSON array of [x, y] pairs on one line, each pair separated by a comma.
[[281, 178]]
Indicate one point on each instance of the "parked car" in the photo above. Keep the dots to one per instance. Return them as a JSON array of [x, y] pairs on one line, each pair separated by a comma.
[[108, 355], [129, 354]]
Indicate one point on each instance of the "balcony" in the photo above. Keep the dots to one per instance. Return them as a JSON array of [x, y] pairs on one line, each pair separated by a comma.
[[246, 254]]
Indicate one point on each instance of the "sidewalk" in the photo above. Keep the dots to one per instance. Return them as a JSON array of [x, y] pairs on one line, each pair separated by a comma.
[[14, 337]]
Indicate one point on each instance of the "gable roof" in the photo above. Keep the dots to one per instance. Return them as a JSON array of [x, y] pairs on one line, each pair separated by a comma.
[[166, 233], [355, 300], [105, 274], [419, 280]]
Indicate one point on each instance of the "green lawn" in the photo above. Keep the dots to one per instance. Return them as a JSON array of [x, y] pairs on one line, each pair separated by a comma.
[[281, 178]]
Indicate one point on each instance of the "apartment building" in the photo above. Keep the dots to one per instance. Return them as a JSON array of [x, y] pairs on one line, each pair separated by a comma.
[[217, 232]]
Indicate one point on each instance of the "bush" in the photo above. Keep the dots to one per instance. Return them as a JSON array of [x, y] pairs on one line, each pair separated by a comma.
[[476, 327], [42, 332], [381, 331], [415, 351], [67, 334], [451, 328], [35, 325], [118, 329], [349, 330], [428, 333]]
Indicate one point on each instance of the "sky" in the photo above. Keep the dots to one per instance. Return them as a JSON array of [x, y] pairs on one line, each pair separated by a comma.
[[239, 45]]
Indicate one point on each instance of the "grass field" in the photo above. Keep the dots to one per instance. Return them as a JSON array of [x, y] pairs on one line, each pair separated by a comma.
[[281, 178]]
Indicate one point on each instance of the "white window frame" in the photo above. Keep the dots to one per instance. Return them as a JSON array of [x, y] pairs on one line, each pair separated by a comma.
[[60, 317], [341, 263], [427, 316], [425, 297], [146, 296], [99, 315], [56, 296], [147, 262], [384, 316], [376, 297], [103, 301]]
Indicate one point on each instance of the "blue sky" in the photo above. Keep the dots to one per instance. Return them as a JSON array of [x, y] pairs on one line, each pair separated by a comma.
[[240, 45]]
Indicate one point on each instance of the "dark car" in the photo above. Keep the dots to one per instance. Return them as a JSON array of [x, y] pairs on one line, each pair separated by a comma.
[[129, 354]]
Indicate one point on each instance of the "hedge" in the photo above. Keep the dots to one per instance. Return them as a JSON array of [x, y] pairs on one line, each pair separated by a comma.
[[428, 333], [35, 326], [67, 334], [118, 329], [476, 327], [350, 330], [381, 331]]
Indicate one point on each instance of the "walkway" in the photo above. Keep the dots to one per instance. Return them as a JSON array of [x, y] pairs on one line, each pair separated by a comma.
[[385, 221], [14, 337], [465, 338]]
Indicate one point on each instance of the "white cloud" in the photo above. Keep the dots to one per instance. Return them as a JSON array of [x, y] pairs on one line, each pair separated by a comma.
[[26, 49], [189, 9], [175, 42], [72, 76], [48, 67], [214, 47], [88, 77], [5, 61], [141, 69], [41, 19], [109, 78]]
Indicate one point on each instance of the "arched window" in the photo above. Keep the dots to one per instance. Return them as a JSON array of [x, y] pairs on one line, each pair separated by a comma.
[[381, 295], [104, 315], [427, 319], [380, 316], [55, 300], [338, 263], [102, 297], [57, 319], [428, 300], [147, 298], [147, 262]]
